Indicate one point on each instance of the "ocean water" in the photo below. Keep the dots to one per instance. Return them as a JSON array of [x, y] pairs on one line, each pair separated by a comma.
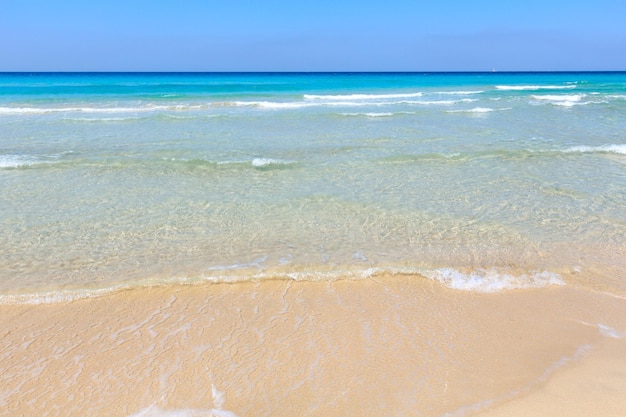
[[359, 244], [481, 181]]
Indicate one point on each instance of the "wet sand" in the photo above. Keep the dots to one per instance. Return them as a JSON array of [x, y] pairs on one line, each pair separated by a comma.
[[388, 345], [593, 386]]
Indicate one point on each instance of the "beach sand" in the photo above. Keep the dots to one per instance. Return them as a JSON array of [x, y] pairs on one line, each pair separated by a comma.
[[391, 345], [593, 386]]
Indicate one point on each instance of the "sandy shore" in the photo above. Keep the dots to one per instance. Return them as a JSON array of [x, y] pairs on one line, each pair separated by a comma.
[[391, 345], [592, 386]]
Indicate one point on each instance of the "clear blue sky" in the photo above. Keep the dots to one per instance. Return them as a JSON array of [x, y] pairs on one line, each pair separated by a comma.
[[316, 35]]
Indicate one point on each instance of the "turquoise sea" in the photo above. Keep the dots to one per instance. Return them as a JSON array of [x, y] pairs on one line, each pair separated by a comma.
[[483, 181]]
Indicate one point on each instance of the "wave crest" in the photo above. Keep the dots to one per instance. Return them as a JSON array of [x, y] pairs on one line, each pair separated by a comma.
[[491, 280], [359, 96], [20, 161], [269, 162], [533, 87], [620, 149], [477, 280], [479, 110]]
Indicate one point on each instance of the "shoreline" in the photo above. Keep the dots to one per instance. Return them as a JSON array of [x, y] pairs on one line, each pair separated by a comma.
[[387, 344], [466, 279]]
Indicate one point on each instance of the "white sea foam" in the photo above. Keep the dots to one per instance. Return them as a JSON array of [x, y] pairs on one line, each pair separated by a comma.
[[379, 114], [35, 110], [533, 87], [491, 280], [475, 281], [256, 162], [101, 119], [561, 100], [352, 97], [274, 104], [101, 110], [355, 275], [473, 110], [237, 272], [620, 149], [265, 162], [563, 97], [478, 110], [372, 114], [278, 105], [17, 161], [566, 103], [459, 93], [607, 331], [445, 102], [58, 296], [69, 295], [302, 104]]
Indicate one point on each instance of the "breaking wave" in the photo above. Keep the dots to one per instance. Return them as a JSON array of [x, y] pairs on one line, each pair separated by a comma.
[[490, 280], [619, 149], [359, 96], [21, 161], [533, 87], [479, 110]]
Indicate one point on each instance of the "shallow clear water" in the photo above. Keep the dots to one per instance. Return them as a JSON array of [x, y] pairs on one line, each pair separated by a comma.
[[132, 179]]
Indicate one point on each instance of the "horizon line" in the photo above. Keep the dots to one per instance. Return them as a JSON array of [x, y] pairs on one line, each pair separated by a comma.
[[493, 71]]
